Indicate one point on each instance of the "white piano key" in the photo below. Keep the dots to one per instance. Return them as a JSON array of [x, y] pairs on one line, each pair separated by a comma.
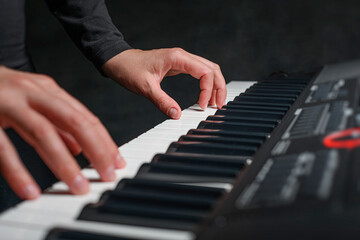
[[156, 131], [178, 126], [162, 135], [155, 141], [16, 232], [96, 185], [39, 218], [239, 86], [182, 120], [200, 116], [36, 226], [196, 109], [58, 203], [128, 153], [143, 147]]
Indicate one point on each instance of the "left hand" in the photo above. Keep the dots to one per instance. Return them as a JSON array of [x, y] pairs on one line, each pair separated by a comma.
[[142, 72]]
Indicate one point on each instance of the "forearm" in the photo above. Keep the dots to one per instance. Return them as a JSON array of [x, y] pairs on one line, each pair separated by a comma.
[[89, 25]]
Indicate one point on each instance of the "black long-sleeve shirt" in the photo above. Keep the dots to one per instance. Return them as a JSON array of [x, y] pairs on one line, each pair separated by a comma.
[[86, 21]]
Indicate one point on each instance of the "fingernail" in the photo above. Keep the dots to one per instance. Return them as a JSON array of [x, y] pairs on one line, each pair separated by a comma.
[[173, 112], [31, 192], [109, 174], [80, 185], [119, 161]]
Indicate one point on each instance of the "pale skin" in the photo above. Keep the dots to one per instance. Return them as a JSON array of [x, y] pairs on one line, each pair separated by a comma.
[[59, 127]]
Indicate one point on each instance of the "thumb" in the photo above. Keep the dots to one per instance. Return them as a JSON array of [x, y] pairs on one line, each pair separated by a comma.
[[165, 103]]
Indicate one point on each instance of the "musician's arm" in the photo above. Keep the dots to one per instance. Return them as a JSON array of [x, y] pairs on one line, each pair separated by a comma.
[[90, 26]]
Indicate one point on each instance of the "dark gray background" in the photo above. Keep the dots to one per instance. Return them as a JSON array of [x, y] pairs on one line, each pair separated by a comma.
[[248, 39]]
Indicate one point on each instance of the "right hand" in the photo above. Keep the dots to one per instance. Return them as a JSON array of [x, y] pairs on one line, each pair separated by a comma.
[[58, 126]]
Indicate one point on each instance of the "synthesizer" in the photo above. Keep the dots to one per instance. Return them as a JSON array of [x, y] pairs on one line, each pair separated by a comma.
[[279, 160]]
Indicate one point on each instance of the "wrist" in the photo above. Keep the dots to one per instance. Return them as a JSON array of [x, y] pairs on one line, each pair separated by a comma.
[[118, 63]]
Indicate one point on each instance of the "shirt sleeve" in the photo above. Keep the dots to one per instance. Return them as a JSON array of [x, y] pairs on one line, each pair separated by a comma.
[[89, 25]]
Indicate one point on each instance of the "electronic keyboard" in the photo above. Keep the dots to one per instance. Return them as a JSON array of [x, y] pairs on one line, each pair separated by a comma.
[[279, 160]]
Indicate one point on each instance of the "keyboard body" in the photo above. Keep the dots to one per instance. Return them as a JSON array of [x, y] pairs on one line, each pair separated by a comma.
[[279, 160], [304, 181]]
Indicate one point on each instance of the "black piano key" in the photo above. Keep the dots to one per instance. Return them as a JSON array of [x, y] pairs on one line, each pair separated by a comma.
[[254, 107], [170, 172], [236, 126], [143, 209], [280, 87], [70, 234], [132, 216], [231, 162], [155, 205], [258, 94], [242, 119], [211, 148], [257, 105], [273, 91], [275, 84], [137, 196], [251, 101], [267, 99], [301, 81], [222, 140], [235, 134], [250, 113], [160, 186]]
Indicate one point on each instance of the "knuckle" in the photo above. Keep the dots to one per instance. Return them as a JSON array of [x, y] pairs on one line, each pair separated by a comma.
[[48, 81], [39, 132], [94, 120], [21, 82], [78, 121], [175, 53], [217, 67], [208, 72], [178, 49]]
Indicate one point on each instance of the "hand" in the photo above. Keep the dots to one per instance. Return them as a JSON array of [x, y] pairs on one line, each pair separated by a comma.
[[57, 126], [142, 72]]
